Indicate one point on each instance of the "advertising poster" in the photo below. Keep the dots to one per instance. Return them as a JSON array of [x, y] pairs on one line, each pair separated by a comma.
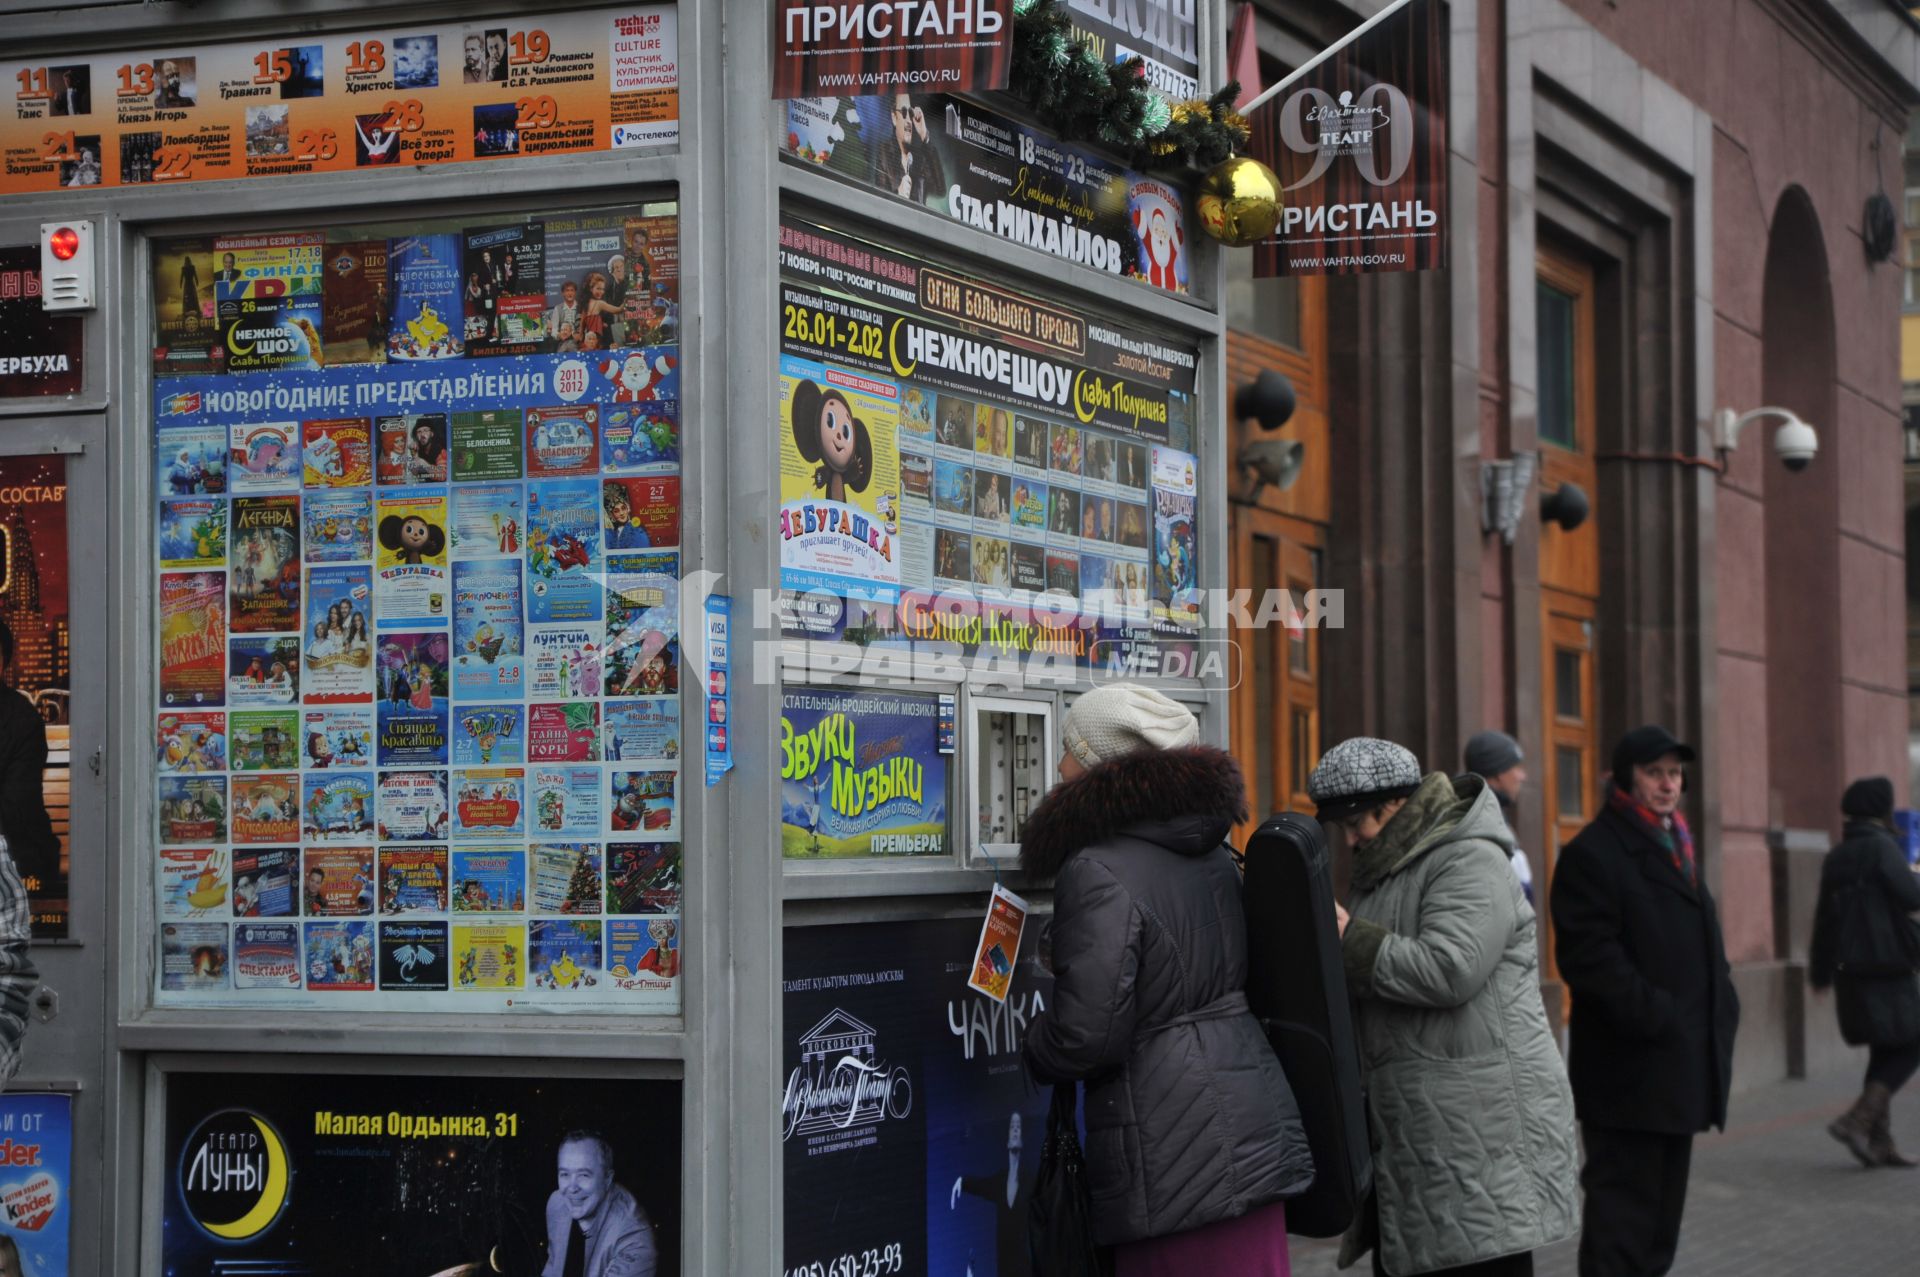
[[643, 877], [337, 454], [437, 93], [359, 303], [489, 881], [488, 520], [336, 807], [193, 882], [488, 637], [193, 810], [563, 954], [643, 804], [411, 707], [36, 1202], [186, 336], [641, 512], [588, 280], [193, 957], [264, 457], [1175, 536], [642, 730], [566, 802], [192, 742], [266, 955], [998, 948], [266, 808], [263, 671], [953, 46], [190, 460], [267, 300], [643, 957], [413, 880], [193, 533], [486, 445], [912, 1162], [565, 733], [1359, 144], [412, 449], [263, 879], [193, 638], [487, 734], [46, 352], [264, 583], [413, 806], [999, 175], [489, 955], [413, 957], [861, 774], [428, 310], [489, 803], [339, 956], [339, 525], [337, 738], [563, 551], [641, 438], [839, 481], [566, 877], [564, 661], [336, 882], [642, 655], [410, 572], [339, 635], [562, 442], [505, 288]]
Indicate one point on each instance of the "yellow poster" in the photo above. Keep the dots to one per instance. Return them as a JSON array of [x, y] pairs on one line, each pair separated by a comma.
[[839, 481], [489, 955]]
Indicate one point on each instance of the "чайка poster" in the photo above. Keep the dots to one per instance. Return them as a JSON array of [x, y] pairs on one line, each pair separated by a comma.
[[861, 774]]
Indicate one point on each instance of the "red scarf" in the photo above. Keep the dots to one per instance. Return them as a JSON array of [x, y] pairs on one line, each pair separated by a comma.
[[1677, 840]]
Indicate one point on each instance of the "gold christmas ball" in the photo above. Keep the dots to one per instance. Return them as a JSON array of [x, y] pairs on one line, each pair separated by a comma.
[[1240, 202]]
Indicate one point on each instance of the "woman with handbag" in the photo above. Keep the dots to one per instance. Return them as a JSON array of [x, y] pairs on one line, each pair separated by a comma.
[[1193, 1135], [1866, 945]]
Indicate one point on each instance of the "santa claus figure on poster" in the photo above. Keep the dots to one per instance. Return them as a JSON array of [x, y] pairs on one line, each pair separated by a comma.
[[1160, 238]]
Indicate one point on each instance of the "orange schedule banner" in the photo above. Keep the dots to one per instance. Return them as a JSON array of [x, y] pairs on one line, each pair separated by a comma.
[[563, 83]]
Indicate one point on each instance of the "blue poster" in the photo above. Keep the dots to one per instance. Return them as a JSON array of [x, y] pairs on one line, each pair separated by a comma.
[[862, 774], [563, 550], [488, 635], [36, 1212], [719, 640], [487, 734], [428, 321]]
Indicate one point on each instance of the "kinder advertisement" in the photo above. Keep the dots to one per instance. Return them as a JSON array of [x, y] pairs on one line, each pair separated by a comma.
[[905, 1109], [862, 774], [36, 1195], [839, 481]]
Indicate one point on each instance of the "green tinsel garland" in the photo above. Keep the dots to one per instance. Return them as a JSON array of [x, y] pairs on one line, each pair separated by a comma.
[[1082, 99]]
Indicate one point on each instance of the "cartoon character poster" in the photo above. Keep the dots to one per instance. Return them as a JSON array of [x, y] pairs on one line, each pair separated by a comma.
[[839, 481], [643, 730], [566, 801], [413, 806], [489, 803], [643, 803], [266, 955], [339, 525], [190, 461], [642, 512], [339, 635], [412, 704], [193, 882], [339, 956], [337, 454], [563, 954], [486, 444], [413, 956], [413, 880], [642, 655], [412, 449], [644, 877], [564, 442], [265, 741], [336, 807], [336, 882], [1175, 536], [193, 809], [264, 582], [489, 520], [566, 877], [192, 741], [488, 955], [563, 551], [861, 773], [489, 881], [649, 375], [263, 879], [410, 582], [336, 738], [488, 636], [428, 310], [263, 671], [193, 533], [643, 955], [640, 438], [193, 957], [264, 457], [488, 734], [193, 638], [266, 808], [564, 733], [564, 662]]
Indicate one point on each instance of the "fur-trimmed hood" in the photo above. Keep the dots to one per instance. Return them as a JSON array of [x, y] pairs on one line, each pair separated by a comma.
[[1182, 799]]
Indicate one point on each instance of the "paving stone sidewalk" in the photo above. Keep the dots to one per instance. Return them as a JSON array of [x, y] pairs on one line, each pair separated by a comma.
[[1774, 1196]]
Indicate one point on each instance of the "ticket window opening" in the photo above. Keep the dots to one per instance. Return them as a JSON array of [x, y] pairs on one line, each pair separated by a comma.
[[1015, 762]]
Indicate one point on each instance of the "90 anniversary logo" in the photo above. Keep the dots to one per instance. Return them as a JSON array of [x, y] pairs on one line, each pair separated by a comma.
[[234, 1176]]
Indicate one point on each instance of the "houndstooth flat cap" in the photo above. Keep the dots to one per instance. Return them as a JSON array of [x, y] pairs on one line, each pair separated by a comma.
[[1359, 773]]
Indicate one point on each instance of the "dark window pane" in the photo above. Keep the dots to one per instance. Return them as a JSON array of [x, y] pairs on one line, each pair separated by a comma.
[[1567, 701], [1265, 690], [1570, 782], [1303, 759], [1554, 323]]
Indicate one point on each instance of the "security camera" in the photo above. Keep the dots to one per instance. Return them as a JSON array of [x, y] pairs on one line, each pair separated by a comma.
[[1796, 443], [1272, 461]]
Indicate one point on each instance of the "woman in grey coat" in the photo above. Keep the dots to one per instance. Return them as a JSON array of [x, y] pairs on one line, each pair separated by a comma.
[[1474, 1157], [1193, 1137]]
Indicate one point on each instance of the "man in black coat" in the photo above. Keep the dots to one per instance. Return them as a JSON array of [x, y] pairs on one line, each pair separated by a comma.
[[1654, 1011]]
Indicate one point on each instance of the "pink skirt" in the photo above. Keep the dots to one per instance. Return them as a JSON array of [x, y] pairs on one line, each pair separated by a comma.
[[1255, 1245]]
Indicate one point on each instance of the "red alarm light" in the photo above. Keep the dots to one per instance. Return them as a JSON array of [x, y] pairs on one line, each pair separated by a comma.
[[64, 242]]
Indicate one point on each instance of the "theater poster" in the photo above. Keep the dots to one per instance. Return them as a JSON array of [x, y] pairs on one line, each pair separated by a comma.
[[904, 1108], [346, 1173], [884, 45], [861, 774], [33, 599]]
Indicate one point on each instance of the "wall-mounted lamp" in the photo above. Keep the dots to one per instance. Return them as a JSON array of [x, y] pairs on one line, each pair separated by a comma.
[[1566, 505], [1268, 399], [1795, 441]]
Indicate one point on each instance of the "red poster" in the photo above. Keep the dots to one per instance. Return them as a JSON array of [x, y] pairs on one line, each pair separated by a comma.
[[888, 46], [193, 639], [642, 511]]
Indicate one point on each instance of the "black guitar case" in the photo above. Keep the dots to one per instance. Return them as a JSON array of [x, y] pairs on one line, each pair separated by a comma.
[[1297, 987]]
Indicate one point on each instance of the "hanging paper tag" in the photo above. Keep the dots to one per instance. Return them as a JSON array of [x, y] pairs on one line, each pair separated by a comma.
[[999, 947]]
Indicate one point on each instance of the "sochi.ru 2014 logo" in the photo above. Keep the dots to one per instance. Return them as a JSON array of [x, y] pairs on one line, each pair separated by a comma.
[[234, 1176]]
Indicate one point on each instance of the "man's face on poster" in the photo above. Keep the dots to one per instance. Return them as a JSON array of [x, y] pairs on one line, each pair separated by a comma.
[[584, 1178]]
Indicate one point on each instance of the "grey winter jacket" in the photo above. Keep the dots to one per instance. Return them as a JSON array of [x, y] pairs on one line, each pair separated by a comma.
[[1474, 1153], [1189, 1117]]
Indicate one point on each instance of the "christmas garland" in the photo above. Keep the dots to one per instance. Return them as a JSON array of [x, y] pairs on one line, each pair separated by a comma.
[[1083, 99]]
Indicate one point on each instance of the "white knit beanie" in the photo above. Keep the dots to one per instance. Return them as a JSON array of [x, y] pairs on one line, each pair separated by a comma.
[[1124, 718]]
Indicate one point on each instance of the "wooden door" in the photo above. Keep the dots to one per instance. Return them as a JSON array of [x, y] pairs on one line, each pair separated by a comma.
[[1276, 701]]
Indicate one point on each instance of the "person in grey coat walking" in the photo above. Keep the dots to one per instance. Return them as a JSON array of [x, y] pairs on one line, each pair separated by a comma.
[[1193, 1136], [1474, 1154], [1866, 945]]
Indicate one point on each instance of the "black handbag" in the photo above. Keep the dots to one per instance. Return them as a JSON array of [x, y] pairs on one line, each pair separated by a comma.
[[1060, 1214]]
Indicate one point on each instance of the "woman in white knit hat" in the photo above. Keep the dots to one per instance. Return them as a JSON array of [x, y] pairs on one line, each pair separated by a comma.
[[1193, 1136]]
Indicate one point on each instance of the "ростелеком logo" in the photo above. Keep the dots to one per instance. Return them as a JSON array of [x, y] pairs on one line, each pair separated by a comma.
[[234, 1176]]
